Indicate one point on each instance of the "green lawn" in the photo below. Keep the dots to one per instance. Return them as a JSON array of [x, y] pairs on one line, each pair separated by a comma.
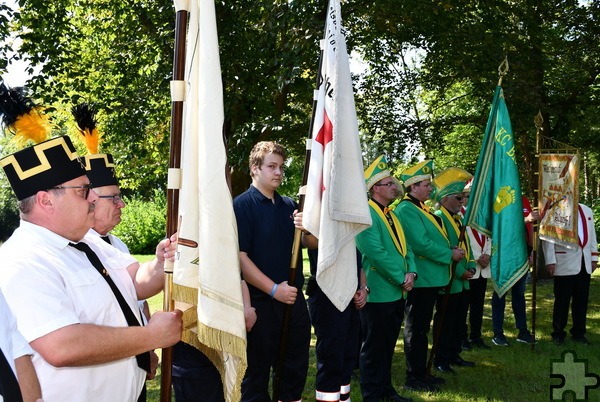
[[516, 373]]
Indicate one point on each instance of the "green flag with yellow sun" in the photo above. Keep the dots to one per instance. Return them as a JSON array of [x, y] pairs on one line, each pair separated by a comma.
[[495, 206]]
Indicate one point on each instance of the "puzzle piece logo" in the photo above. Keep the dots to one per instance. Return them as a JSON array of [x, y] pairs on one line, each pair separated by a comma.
[[574, 378]]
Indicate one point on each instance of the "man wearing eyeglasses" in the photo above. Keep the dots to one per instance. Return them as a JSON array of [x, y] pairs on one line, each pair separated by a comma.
[[428, 238], [100, 169], [450, 314], [74, 296], [390, 270]]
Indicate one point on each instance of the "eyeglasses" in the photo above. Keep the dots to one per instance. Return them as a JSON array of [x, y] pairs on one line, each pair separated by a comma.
[[391, 183], [85, 187], [115, 198]]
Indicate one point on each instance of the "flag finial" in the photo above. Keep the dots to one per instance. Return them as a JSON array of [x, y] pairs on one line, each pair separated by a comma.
[[502, 70]]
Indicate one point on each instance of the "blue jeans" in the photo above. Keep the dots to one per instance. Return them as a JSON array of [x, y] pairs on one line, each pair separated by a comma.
[[517, 293]]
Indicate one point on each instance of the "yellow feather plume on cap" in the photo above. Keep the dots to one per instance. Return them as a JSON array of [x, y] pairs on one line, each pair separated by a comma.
[[91, 140], [21, 117], [85, 117], [33, 126]]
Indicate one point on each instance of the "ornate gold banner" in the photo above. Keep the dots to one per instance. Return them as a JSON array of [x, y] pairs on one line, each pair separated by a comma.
[[559, 198]]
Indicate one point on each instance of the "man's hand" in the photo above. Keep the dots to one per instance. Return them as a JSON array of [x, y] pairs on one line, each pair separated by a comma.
[[483, 260], [466, 275], [409, 282], [153, 365], [249, 317], [166, 328], [298, 220], [551, 268], [285, 293], [458, 254], [532, 217], [166, 249], [360, 298]]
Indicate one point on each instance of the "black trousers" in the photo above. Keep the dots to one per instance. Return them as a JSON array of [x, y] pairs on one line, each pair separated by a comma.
[[476, 301], [448, 328], [263, 350], [337, 334], [194, 374], [381, 323], [418, 313], [571, 290]]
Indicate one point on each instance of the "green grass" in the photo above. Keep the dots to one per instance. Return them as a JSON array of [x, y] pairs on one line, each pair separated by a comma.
[[516, 373]]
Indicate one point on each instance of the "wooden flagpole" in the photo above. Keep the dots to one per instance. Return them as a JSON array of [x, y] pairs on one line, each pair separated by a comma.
[[539, 125], [438, 331], [296, 246], [173, 186], [502, 70]]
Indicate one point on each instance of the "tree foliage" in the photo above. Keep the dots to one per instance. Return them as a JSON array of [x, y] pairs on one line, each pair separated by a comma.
[[6, 15], [431, 68], [118, 55], [552, 49]]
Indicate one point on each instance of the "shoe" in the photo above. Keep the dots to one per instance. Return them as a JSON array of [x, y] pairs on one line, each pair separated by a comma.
[[526, 337], [466, 345], [479, 344], [434, 380], [558, 341], [500, 340], [581, 339], [459, 361], [444, 368], [397, 398], [420, 386]]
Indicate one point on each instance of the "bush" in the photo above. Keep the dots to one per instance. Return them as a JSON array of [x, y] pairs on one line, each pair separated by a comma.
[[143, 223], [596, 209], [9, 212]]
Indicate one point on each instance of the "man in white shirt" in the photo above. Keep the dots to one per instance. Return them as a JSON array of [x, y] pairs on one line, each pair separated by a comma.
[[84, 345], [572, 269]]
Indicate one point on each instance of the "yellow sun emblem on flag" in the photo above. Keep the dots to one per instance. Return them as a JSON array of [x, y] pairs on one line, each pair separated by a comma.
[[505, 197]]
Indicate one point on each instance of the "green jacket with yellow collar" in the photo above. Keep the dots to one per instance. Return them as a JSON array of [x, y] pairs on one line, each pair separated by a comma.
[[458, 284], [429, 242], [385, 258]]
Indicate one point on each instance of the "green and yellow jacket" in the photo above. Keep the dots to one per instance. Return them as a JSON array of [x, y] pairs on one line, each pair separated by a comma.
[[385, 258], [451, 222], [427, 237]]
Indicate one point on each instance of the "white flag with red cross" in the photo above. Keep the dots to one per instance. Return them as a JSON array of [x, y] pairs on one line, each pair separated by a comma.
[[336, 206]]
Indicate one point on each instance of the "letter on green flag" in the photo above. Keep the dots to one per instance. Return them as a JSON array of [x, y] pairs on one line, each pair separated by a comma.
[[495, 207]]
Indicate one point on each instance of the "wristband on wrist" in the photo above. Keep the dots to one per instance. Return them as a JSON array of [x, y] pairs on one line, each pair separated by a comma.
[[273, 290]]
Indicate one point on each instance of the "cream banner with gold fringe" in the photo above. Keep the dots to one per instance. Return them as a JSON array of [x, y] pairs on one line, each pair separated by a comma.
[[207, 271]]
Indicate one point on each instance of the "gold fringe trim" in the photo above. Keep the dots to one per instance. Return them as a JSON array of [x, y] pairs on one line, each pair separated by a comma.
[[215, 340], [185, 294]]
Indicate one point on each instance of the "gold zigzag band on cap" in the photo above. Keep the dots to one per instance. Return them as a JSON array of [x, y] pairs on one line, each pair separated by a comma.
[[44, 165], [104, 157]]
